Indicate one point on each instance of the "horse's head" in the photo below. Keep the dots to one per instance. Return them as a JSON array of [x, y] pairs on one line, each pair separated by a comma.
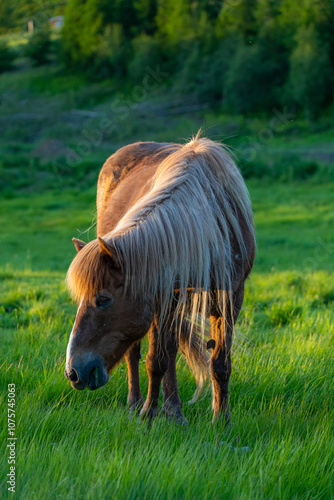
[[108, 319]]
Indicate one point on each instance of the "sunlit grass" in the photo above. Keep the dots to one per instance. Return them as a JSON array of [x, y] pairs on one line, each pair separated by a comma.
[[83, 444]]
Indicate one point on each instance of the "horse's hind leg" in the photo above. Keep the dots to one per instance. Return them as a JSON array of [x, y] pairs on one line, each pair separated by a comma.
[[132, 357], [156, 366], [221, 332], [172, 403]]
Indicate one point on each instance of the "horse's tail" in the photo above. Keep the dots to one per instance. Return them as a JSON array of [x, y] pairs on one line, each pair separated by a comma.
[[194, 347]]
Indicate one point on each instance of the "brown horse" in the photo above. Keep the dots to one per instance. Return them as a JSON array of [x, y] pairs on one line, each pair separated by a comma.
[[175, 244]]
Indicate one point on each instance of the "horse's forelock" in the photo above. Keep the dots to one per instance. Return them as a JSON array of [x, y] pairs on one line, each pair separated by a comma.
[[88, 273]]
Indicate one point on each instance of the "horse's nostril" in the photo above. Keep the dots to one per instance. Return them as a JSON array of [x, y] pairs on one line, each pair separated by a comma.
[[94, 377], [73, 376]]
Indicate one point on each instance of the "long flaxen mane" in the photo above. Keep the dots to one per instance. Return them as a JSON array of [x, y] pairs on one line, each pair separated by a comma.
[[178, 236]]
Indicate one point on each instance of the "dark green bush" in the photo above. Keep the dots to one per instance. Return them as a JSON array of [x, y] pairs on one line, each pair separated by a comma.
[[145, 52], [7, 57], [203, 72], [39, 46], [252, 80], [110, 55], [311, 75]]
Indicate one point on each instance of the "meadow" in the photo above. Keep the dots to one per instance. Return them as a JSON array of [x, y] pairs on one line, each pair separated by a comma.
[[73, 445]]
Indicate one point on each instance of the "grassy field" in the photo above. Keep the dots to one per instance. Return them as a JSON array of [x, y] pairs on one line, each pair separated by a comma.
[[72, 445]]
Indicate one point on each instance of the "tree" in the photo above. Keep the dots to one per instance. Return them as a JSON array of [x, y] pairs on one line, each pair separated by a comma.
[[237, 18], [7, 21], [251, 80], [311, 74], [174, 21], [146, 11], [94, 30]]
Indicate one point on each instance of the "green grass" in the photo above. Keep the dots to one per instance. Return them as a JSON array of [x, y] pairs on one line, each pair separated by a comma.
[[83, 444]]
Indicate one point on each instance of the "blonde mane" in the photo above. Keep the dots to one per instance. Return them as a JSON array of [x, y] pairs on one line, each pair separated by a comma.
[[178, 236]]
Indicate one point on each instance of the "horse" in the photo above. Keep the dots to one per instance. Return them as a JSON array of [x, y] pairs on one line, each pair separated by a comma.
[[175, 244]]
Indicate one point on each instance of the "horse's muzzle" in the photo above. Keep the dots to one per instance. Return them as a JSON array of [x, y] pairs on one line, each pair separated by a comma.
[[91, 374]]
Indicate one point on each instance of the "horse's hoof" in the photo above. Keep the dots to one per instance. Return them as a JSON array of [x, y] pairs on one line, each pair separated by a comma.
[[181, 420], [222, 417], [176, 415], [135, 405], [148, 413]]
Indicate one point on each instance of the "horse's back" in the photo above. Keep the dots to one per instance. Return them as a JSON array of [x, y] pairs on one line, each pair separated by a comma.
[[123, 179]]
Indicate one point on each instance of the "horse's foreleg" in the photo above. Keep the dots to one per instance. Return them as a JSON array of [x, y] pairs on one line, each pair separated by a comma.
[[172, 403], [221, 332], [132, 357], [220, 366], [156, 366]]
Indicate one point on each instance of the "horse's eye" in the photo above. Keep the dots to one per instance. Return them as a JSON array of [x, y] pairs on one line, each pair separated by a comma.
[[103, 302]]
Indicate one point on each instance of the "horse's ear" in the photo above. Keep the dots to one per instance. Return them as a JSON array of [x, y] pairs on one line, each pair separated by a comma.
[[108, 249], [78, 244]]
